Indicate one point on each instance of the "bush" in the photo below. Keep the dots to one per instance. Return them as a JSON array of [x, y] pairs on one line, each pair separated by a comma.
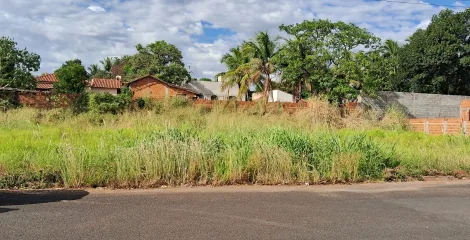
[[81, 104], [7, 101], [108, 103]]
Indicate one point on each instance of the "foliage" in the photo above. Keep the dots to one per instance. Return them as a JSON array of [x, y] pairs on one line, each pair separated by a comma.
[[72, 77], [437, 59], [205, 79], [234, 60], [321, 56], [16, 65], [108, 63], [184, 145], [103, 103], [7, 100], [161, 59], [81, 103]]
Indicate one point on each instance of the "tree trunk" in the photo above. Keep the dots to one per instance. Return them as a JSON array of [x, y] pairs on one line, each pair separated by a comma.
[[267, 88]]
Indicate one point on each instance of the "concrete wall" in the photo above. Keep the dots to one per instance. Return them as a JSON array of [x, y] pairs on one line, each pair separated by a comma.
[[417, 105]]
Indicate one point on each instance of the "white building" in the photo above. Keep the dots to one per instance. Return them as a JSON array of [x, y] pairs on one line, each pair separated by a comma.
[[213, 90], [275, 96]]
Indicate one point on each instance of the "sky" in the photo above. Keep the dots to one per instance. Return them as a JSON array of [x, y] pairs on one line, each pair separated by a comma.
[[204, 30]]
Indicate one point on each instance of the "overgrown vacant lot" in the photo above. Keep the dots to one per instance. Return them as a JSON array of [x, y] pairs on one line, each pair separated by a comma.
[[169, 143]]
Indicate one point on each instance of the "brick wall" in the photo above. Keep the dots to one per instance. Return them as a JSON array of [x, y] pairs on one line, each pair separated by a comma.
[[451, 126], [44, 100]]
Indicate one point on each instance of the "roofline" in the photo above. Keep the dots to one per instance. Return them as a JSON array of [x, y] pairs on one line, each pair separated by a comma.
[[18, 90], [168, 84]]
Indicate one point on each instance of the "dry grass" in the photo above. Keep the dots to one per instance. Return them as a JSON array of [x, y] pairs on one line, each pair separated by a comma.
[[171, 143]]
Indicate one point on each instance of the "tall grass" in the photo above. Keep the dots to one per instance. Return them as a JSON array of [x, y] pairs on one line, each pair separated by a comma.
[[172, 143]]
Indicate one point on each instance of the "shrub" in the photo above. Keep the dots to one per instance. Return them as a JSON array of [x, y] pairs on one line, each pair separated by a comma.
[[81, 104], [108, 103]]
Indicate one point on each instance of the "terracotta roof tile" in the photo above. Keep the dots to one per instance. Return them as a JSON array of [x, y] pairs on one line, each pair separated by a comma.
[[105, 83], [44, 86], [47, 78]]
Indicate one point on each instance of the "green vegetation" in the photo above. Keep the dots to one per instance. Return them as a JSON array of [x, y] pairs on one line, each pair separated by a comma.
[[17, 65], [171, 143]]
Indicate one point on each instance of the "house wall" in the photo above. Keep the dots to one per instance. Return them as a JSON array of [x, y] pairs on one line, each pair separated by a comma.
[[280, 96], [149, 87], [104, 90], [275, 96]]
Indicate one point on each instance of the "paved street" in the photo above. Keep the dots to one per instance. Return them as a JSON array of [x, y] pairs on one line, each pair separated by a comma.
[[429, 210]]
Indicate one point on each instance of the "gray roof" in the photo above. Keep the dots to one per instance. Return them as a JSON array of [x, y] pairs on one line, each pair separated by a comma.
[[207, 88]]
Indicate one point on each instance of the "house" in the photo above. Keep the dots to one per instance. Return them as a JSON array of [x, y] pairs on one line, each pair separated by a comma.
[[152, 87], [45, 83], [99, 85], [275, 96], [213, 90]]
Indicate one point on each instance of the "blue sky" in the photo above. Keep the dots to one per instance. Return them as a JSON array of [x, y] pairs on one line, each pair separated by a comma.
[[204, 30]]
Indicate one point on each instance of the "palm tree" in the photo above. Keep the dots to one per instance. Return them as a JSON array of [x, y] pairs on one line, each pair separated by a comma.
[[234, 75], [390, 51], [108, 63], [261, 50], [390, 48], [93, 70]]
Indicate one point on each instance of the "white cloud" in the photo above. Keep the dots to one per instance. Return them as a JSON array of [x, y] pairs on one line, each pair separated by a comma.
[[59, 30], [424, 24], [95, 8]]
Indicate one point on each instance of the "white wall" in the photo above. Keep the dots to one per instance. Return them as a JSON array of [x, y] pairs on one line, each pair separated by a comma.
[[104, 90], [280, 96], [275, 96]]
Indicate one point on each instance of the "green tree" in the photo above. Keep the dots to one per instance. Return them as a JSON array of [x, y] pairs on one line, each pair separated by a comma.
[[437, 59], [72, 77], [390, 51], [16, 65], [161, 59], [320, 56], [261, 51], [236, 62], [205, 79], [94, 70]]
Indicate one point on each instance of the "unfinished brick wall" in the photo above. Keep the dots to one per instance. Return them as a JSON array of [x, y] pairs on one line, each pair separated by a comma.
[[465, 110], [451, 126]]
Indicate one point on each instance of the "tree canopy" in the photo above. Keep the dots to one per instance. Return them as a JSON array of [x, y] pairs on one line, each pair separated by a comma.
[[437, 59], [17, 65], [324, 58], [161, 59], [72, 77]]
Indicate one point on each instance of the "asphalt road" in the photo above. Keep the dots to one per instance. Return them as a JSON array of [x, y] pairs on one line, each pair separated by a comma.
[[431, 210]]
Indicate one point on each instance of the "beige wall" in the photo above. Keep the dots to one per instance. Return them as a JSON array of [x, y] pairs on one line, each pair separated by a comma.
[[104, 90]]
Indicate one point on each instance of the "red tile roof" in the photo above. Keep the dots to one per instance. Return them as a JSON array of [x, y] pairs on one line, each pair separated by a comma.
[[44, 86], [105, 83], [47, 78]]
